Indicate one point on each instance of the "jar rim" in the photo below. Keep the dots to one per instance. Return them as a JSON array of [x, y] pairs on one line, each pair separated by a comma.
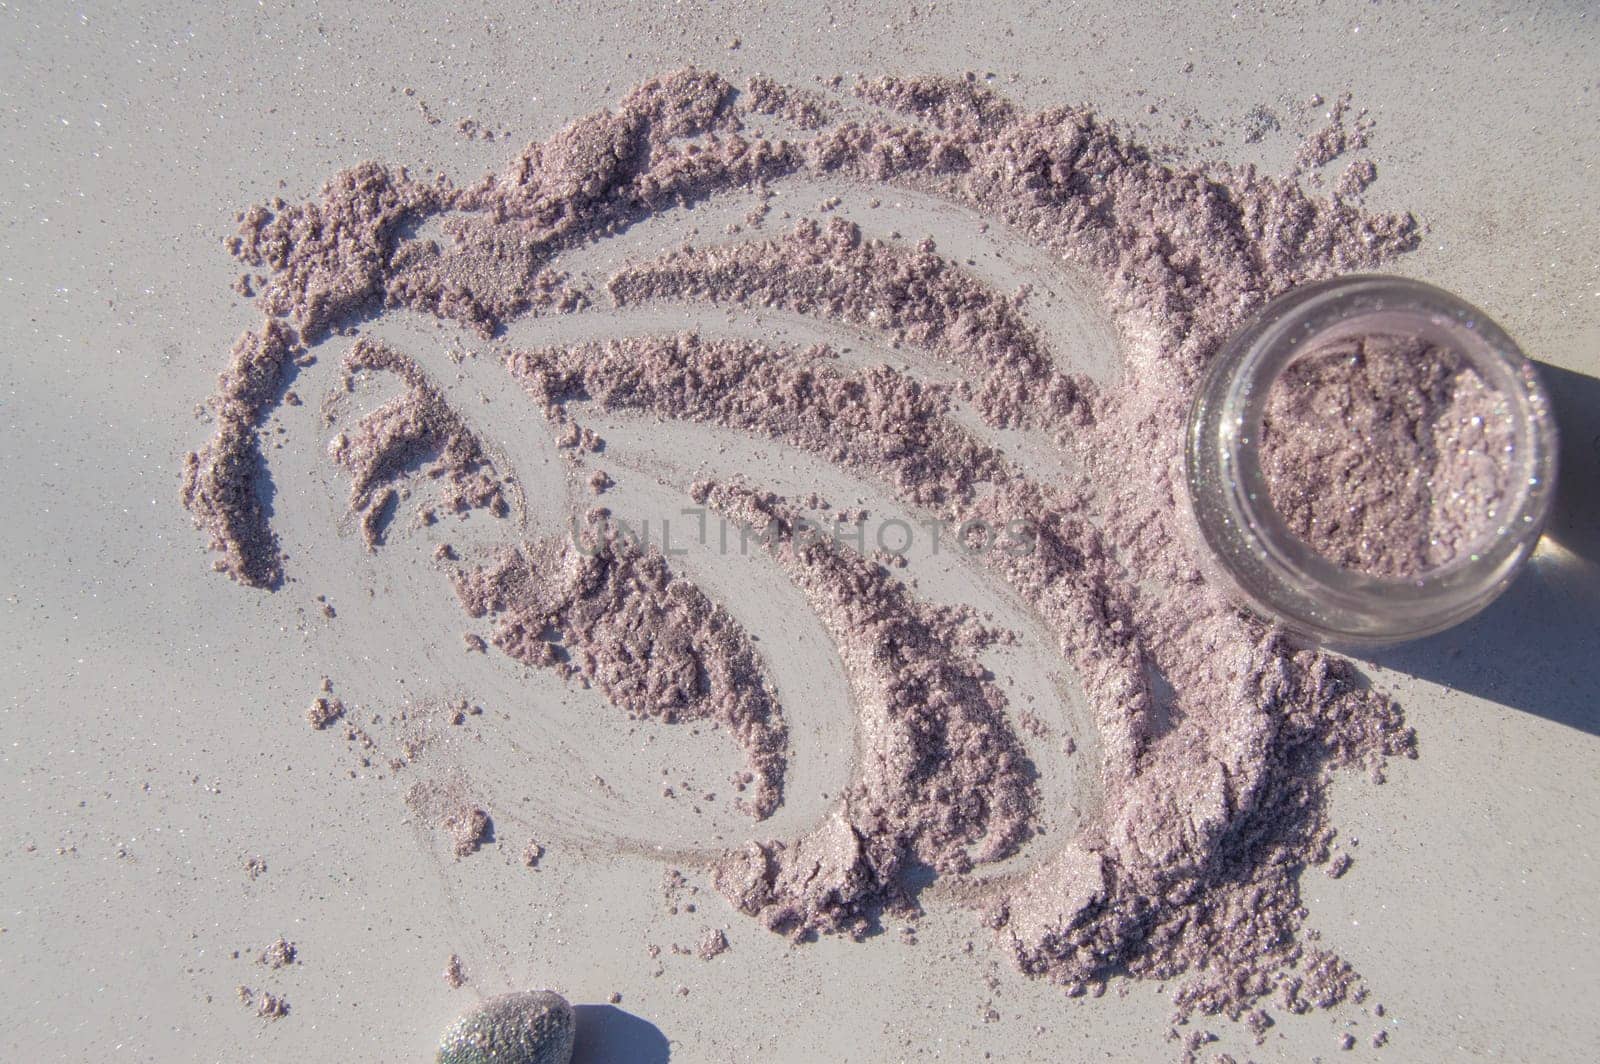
[[1351, 604]]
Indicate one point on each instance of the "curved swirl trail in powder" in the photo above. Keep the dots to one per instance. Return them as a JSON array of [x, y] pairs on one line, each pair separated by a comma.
[[942, 779], [1216, 735], [878, 422], [414, 428], [651, 641], [919, 298]]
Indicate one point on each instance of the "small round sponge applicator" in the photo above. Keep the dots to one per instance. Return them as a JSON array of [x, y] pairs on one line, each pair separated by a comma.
[[528, 1027]]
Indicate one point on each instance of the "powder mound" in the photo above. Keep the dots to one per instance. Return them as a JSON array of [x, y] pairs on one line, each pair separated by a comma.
[[809, 111], [956, 106], [329, 258], [1316, 715], [599, 608], [1388, 455]]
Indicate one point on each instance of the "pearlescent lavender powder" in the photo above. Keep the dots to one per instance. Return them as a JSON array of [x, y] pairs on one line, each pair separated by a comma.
[[1215, 735], [1387, 454]]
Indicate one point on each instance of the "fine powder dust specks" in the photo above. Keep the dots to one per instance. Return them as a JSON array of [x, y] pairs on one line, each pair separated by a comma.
[[1215, 734]]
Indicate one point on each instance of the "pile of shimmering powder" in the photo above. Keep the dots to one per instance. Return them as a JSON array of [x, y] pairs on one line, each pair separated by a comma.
[[1216, 734]]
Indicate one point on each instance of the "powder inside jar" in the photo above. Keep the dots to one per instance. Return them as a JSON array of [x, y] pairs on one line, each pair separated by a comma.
[[1387, 454]]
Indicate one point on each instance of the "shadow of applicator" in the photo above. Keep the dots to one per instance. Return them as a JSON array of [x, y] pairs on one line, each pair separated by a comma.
[[1537, 647], [608, 1035]]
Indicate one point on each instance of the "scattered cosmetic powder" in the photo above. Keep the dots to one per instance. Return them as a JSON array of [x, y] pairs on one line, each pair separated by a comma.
[[1387, 454], [449, 805], [268, 1006], [1216, 734]]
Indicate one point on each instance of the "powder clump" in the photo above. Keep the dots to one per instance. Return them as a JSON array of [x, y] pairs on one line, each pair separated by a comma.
[[280, 954], [267, 1005], [713, 943], [323, 711], [448, 804], [467, 828]]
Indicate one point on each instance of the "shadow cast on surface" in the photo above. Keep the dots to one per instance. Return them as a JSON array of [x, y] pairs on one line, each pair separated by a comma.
[[608, 1035], [1575, 523], [1536, 647]]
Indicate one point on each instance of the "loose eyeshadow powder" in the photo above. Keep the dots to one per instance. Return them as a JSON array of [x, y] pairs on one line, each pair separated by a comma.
[[1387, 454], [1216, 734]]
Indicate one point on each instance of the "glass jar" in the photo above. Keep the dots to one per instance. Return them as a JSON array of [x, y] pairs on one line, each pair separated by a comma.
[[1280, 575]]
